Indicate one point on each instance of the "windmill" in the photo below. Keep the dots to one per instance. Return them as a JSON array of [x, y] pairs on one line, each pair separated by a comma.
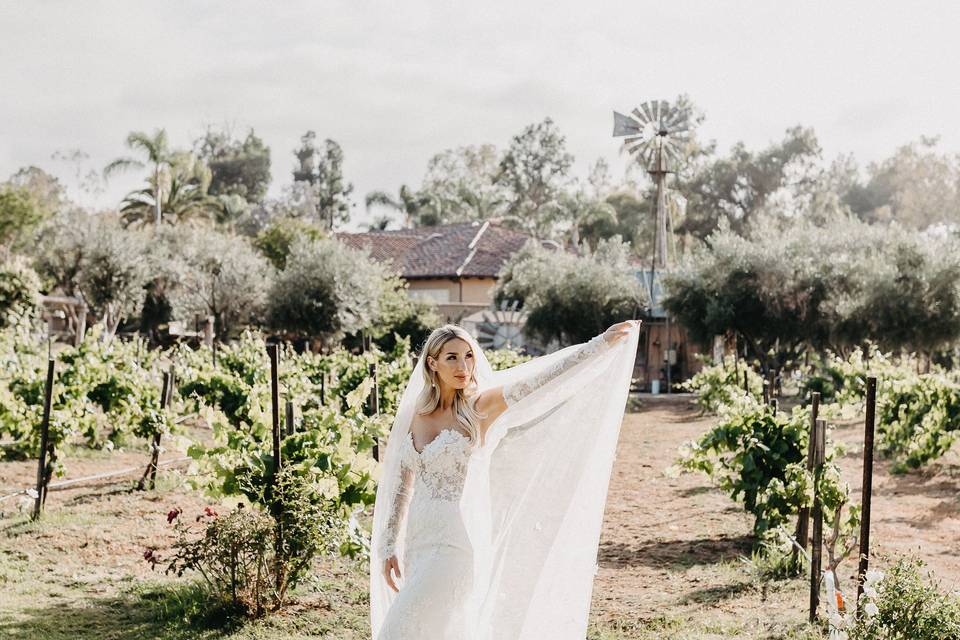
[[657, 133], [499, 328]]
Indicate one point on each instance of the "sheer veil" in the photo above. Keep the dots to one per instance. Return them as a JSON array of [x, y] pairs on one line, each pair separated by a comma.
[[533, 498]]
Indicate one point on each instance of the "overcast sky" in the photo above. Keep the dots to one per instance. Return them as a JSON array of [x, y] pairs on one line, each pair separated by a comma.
[[396, 82]]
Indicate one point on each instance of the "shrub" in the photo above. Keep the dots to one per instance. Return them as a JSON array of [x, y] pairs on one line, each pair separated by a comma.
[[233, 555], [902, 604], [572, 298], [717, 385], [759, 458], [19, 289], [326, 290]]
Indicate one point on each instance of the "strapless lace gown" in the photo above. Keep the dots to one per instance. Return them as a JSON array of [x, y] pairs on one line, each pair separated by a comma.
[[437, 560], [437, 564]]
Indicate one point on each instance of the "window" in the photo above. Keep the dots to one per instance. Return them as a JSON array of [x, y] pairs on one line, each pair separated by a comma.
[[433, 295]]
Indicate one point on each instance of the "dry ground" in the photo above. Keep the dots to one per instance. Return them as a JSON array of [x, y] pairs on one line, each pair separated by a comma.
[[669, 556]]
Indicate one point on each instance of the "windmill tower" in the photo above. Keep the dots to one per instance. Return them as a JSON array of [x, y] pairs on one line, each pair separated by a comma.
[[656, 133]]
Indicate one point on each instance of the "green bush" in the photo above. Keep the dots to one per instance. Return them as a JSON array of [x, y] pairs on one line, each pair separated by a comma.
[[758, 457], [718, 384], [19, 290], [902, 604]]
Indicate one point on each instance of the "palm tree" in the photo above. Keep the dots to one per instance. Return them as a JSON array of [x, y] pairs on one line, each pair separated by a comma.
[[158, 155], [380, 223], [483, 204], [578, 209], [184, 196], [418, 207]]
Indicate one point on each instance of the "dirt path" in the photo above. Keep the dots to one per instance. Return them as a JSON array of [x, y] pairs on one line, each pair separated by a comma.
[[670, 546]]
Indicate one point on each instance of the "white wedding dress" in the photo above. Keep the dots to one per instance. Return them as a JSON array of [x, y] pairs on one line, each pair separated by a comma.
[[453, 548]]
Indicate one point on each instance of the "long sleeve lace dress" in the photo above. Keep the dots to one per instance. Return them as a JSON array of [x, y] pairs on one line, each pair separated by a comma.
[[437, 561]]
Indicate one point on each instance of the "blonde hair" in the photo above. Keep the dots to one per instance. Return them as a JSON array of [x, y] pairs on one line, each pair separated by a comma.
[[464, 409]]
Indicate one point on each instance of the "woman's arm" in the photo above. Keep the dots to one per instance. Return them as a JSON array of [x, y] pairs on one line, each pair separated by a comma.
[[388, 543], [495, 401]]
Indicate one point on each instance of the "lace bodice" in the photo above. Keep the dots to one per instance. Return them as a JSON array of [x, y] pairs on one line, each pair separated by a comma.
[[437, 473], [439, 470]]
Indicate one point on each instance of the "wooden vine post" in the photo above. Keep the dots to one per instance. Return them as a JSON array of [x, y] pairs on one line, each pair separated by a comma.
[[276, 506], [373, 405], [803, 518], [816, 553], [867, 483], [288, 416], [47, 458], [150, 474]]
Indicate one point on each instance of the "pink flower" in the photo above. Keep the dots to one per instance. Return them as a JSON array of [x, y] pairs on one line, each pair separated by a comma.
[[210, 512], [151, 557]]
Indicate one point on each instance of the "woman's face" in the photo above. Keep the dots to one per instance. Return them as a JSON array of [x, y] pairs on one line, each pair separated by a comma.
[[454, 364]]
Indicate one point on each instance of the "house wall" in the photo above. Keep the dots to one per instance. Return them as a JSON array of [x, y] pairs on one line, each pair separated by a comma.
[[455, 298], [468, 290]]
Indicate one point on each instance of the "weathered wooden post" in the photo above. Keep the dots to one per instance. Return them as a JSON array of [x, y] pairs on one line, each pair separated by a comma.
[[803, 518], [867, 482], [273, 352], [816, 553], [276, 508], [288, 414], [166, 393], [81, 324], [373, 405], [766, 392], [746, 379], [45, 466], [323, 388]]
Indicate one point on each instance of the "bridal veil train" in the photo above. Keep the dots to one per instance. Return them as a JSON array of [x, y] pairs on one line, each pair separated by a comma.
[[500, 541]]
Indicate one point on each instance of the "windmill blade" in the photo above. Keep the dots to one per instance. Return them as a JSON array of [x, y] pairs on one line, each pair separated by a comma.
[[636, 147], [624, 125], [646, 110], [648, 154], [655, 108], [677, 119], [641, 117], [670, 152]]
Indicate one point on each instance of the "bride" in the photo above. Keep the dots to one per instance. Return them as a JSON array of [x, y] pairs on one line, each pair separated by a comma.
[[491, 493]]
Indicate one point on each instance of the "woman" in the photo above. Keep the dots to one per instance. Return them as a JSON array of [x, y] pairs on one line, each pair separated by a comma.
[[488, 510]]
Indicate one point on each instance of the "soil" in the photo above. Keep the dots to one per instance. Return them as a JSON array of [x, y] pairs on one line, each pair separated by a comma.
[[671, 559], [671, 546]]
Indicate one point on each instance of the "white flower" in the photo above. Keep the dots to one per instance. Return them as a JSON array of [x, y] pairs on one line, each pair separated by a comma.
[[872, 576], [871, 609], [870, 592], [673, 471], [33, 493]]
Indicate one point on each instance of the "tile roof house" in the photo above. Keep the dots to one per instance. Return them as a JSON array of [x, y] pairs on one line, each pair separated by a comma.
[[454, 265]]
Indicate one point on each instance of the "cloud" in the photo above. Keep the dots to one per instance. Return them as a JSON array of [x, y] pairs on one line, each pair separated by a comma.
[[396, 83]]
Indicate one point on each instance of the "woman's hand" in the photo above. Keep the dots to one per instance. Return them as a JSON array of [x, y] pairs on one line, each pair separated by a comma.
[[620, 330], [391, 563]]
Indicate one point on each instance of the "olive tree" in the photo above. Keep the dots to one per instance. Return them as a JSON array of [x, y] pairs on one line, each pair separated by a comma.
[[326, 290], [571, 298]]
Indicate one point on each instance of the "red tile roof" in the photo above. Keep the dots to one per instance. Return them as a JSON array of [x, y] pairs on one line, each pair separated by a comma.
[[447, 251]]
